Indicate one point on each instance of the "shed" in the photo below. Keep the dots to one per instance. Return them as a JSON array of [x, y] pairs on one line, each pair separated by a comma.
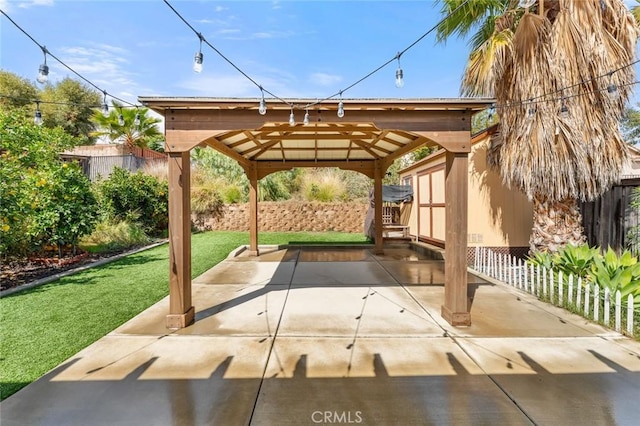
[[498, 217]]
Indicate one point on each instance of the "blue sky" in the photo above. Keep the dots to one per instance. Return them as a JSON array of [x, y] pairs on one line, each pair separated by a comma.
[[308, 49], [292, 48]]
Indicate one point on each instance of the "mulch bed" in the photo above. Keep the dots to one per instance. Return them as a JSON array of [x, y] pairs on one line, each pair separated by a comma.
[[16, 272]]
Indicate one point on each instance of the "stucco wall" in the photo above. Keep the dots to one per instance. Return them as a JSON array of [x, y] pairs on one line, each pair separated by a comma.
[[498, 216], [293, 216]]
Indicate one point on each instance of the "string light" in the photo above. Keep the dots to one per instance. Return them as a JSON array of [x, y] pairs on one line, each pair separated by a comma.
[[37, 118], [564, 109], [263, 104], [306, 118], [43, 71], [105, 106], [399, 74], [531, 111], [120, 120], [340, 112], [197, 60], [612, 89], [136, 120], [292, 118], [45, 68], [492, 110]]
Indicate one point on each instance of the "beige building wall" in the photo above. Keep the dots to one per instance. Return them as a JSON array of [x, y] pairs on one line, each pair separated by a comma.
[[498, 216]]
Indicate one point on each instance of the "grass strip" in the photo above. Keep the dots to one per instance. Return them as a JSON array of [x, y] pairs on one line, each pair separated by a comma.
[[43, 326]]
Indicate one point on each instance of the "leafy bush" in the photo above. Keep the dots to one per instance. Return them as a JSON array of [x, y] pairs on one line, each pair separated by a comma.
[[617, 273], [43, 200], [108, 237], [64, 207], [135, 197]]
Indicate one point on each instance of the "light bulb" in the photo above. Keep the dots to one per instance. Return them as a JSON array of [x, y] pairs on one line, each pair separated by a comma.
[[612, 91], [399, 78], [197, 62], [292, 119], [105, 109], [525, 4], [37, 118], [120, 120], [43, 74], [263, 107], [564, 111], [136, 121], [531, 112], [306, 118], [340, 109]]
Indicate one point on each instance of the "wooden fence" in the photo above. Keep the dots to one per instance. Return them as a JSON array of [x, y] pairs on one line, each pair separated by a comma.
[[611, 220], [568, 292]]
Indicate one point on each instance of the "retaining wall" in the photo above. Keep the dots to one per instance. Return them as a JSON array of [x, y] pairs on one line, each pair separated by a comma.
[[283, 216]]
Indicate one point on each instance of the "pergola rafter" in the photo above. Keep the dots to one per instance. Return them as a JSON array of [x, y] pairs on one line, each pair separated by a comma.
[[372, 134]]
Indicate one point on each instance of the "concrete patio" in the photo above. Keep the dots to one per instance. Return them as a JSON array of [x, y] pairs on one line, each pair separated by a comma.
[[329, 335]]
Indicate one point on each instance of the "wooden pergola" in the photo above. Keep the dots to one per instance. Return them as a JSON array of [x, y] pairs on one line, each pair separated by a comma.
[[372, 133]]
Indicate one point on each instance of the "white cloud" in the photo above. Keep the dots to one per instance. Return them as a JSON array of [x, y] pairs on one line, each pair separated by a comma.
[[7, 5], [102, 64], [219, 9], [324, 79], [230, 85]]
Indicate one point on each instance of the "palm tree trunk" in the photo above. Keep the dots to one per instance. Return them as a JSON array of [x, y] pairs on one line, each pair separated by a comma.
[[555, 224]]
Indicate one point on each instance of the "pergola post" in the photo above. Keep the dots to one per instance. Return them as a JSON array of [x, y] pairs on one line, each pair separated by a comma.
[[377, 207], [252, 174], [455, 309], [181, 312]]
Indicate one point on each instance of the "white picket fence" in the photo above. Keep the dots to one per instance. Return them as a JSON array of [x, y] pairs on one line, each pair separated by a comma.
[[550, 285]]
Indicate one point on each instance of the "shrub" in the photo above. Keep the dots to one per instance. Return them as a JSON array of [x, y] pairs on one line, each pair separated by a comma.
[[109, 237], [135, 197], [323, 185]]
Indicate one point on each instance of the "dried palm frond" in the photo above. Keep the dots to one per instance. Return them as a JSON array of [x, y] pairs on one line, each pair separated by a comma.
[[567, 60]]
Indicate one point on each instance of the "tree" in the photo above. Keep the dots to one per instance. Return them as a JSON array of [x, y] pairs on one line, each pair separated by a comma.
[[69, 104], [16, 91], [630, 126], [550, 65], [44, 200], [127, 131]]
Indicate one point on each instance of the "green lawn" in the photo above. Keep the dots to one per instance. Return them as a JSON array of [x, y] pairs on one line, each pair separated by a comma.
[[44, 326]]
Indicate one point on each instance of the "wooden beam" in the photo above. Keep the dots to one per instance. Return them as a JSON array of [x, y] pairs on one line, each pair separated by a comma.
[[459, 141], [241, 119], [455, 308], [181, 312], [377, 207], [252, 174], [186, 140], [221, 147], [265, 168]]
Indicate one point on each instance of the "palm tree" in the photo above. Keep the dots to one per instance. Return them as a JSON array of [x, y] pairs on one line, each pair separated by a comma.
[[551, 66], [131, 126]]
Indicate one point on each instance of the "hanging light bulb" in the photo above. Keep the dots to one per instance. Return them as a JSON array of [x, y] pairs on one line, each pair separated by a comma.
[[43, 71], [306, 118], [263, 104], [399, 75], [564, 110], [612, 89], [525, 4], [120, 120], [136, 121], [292, 118], [340, 107], [37, 118], [198, 58], [492, 111], [531, 111], [105, 106]]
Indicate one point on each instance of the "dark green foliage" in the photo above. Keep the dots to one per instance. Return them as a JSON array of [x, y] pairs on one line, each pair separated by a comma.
[[135, 197], [44, 200]]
